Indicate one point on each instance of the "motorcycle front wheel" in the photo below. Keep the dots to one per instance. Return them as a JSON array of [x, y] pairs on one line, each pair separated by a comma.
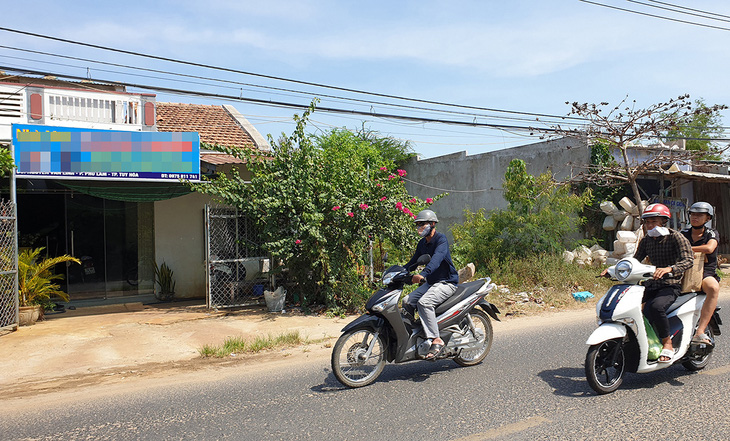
[[483, 334], [358, 357], [605, 366]]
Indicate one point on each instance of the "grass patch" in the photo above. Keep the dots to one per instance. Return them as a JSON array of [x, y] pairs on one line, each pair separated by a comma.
[[238, 345], [547, 282]]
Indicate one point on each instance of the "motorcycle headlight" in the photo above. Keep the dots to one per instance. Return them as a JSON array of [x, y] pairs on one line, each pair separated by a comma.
[[380, 306], [388, 278], [623, 270]]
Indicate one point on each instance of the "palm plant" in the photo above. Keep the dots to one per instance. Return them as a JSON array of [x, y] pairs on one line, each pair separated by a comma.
[[36, 278]]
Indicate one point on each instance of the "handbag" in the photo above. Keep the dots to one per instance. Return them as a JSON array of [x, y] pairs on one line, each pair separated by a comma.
[[692, 278]]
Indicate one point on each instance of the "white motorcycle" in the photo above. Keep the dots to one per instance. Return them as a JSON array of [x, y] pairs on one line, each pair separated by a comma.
[[620, 342]]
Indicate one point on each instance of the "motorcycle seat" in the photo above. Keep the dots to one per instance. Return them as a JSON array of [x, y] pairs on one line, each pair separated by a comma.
[[681, 300], [462, 291]]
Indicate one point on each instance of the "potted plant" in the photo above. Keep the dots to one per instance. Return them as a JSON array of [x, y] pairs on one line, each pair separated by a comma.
[[36, 283], [165, 281]]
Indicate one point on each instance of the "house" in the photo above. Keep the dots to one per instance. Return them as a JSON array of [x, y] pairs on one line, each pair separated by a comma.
[[118, 227]]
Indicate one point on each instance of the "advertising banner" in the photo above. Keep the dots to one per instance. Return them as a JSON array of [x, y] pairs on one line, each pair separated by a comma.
[[73, 153]]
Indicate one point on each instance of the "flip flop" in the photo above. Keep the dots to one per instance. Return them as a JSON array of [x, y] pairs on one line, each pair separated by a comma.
[[702, 339], [669, 353], [434, 351]]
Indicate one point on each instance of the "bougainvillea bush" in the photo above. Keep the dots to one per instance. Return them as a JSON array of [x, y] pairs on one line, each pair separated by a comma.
[[321, 202]]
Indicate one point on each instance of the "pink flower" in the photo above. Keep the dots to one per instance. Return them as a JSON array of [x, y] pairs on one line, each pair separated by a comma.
[[413, 215], [399, 205], [297, 241], [379, 185], [335, 208], [351, 214], [383, 198], [391, 177], [364, 206], [401, 173], [429, 200], [413, 201], [383, 168]]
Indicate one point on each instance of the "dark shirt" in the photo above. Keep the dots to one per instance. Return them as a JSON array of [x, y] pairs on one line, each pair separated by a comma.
[[709, 234], [440, 268], [672, 251]]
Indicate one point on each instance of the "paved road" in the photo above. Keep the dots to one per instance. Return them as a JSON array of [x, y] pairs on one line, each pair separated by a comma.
[[530, 387]]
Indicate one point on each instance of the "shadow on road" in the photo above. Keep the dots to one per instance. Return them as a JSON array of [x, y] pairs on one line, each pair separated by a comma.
[[416, 372], [571, 382]]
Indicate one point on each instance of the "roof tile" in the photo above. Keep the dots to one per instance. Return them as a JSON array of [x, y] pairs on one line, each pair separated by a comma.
[[214, 124]]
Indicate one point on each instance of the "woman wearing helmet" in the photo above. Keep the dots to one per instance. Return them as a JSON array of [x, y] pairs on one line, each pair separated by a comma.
[[704, 240], [671, 253], [439, 275]]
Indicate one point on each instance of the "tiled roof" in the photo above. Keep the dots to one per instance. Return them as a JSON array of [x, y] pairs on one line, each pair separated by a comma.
[[214, 123], [219, 158]]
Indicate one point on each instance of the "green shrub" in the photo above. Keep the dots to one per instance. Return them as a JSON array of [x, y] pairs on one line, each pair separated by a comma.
[[542, 217]]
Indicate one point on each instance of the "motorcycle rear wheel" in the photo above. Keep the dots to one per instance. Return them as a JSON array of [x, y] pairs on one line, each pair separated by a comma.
[[484, 335], [700, 363], [351, 364], [605, 366]]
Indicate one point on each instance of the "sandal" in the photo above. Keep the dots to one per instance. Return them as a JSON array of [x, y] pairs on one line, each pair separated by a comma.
[[434, 351], [666, 353], [702, 339]]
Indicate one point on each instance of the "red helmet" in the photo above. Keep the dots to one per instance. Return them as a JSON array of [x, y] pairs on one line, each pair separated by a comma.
[[656, 210]]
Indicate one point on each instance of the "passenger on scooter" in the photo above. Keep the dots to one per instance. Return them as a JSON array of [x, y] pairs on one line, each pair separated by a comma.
[[704, 240], [440, 278], [670, 252]]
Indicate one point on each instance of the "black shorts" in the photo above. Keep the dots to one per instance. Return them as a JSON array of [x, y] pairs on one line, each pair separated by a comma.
[[710, 272]]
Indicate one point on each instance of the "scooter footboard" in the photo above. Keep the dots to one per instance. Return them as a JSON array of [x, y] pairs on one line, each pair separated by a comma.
[[607, 331]]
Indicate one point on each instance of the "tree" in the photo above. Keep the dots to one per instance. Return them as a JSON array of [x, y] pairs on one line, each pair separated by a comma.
[[698, 130], [318, 201], [391, 149], [623, 126], [541, 216]]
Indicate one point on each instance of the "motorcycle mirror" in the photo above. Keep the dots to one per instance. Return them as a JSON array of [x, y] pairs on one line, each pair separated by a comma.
[[385, 257]]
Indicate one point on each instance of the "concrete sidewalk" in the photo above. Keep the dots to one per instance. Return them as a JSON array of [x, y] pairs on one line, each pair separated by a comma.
[[103, 339]]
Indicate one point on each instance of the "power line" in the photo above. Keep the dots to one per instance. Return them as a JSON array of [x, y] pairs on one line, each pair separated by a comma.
[[334, 97], [225, 69], [672, 9], [287, 104], [655, 16], [690, 9]]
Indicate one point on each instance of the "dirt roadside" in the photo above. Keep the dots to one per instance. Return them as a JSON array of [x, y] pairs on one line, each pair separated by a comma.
[[123, 344]]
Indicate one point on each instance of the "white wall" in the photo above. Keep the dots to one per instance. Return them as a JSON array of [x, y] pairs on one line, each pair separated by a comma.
[[180, 241]]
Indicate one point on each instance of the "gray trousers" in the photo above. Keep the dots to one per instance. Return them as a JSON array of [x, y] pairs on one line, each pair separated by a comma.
[[426, 298]]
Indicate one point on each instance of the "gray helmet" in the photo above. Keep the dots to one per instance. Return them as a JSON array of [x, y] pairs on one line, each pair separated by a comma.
[[702, 207], [426, 216]]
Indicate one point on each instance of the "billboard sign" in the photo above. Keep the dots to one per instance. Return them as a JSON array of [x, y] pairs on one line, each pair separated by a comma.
[[73, 153]]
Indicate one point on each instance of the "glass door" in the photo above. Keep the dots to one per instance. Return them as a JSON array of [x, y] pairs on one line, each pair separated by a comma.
[[85, 241]]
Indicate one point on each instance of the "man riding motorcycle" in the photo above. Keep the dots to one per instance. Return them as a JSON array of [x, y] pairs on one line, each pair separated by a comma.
[[440, 278]]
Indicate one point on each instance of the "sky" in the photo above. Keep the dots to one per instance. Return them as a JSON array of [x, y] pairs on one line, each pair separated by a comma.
[[505, 60]]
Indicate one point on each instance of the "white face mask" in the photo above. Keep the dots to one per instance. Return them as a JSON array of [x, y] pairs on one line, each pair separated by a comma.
[[658, 232], [426, 230]]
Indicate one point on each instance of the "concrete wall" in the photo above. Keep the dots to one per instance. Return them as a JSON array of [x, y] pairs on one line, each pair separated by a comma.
[[475, 181], [180, 241]]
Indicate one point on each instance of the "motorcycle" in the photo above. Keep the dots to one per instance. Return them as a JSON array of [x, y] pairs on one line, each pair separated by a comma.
[[620, 343], [385, 333]]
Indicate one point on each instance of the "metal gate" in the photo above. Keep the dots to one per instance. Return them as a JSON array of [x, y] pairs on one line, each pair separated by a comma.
[[8, 267], [238, 270]]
